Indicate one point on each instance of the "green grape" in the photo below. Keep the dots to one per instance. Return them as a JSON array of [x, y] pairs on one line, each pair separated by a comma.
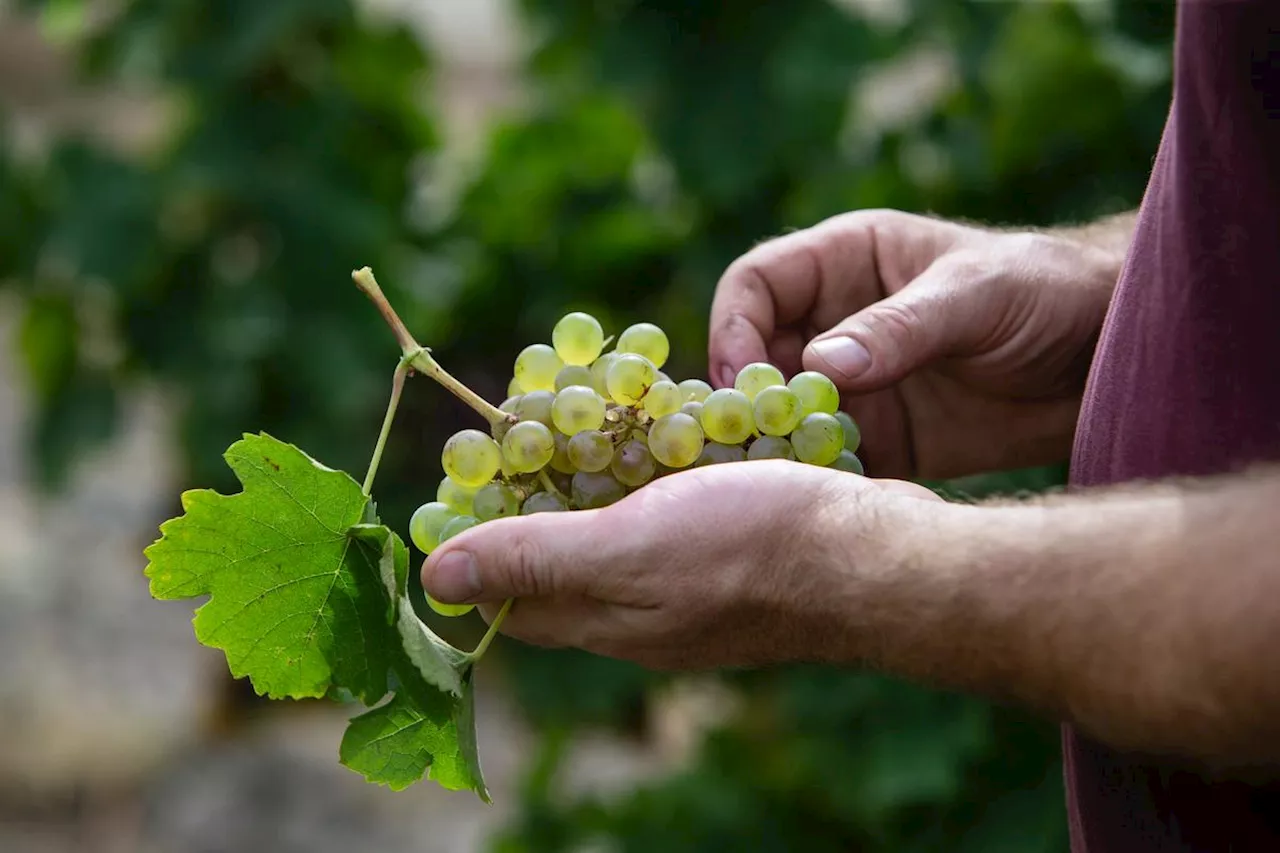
[[776, 410], [513, 388], [771, 447], [544, 502], [756, 377], [676, 440], [847, 461], [632, 464], [577, 408], [713, 453], [471, 458], [560, 460], [727, 416], [818, 440], [662, 377], [630, 377], [528, 446], [509, 406], [647, 340], [427, 522], [596, 490], [590, 451], [536, 368], [496, 500], [694, 390], [600, 373], [456, 495], [456, 526], [852, 435], [663, 399], [694, 409], [573, 374], [449, 609], [536, 406], [817, 393], [578, 338]]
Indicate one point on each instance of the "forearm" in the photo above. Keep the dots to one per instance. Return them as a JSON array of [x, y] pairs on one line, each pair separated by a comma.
[[1148, 616], [1111, 234]]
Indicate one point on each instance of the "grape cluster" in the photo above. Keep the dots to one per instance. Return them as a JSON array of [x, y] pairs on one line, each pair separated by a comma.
[[586, 427]]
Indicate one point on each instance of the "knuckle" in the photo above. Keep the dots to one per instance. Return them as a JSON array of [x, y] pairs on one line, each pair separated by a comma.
[[526, 565]]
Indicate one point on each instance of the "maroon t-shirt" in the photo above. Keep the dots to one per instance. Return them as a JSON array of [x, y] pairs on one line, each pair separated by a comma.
[[1187, 382]]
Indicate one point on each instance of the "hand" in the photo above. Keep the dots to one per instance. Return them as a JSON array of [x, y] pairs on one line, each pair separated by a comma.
[[957, 349], [726, 565]]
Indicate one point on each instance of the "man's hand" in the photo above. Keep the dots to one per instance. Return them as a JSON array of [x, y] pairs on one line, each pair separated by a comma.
[[726, 565], [958, 349]]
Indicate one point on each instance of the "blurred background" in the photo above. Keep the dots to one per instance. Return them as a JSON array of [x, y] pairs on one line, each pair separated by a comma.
[[184, 189]]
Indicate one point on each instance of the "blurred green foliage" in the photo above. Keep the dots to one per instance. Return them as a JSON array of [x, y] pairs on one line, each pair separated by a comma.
[[661, 139]]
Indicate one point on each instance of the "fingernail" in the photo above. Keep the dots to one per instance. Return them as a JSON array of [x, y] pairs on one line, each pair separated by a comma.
[[844, 355], [727, 375], [455, 579]]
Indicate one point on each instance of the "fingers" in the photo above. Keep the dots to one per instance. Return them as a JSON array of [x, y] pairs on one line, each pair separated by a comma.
[[782, 282], [938, 313]]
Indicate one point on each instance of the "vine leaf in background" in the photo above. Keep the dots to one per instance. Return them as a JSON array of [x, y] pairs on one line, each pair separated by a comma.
[[307, 598]]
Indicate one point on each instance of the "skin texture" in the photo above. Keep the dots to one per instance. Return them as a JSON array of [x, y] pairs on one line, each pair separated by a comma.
[[1099, 608]]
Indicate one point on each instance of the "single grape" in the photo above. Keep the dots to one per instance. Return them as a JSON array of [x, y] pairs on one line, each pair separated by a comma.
[[647, 340], [662, 377], [694, 409], [727, 416], [577, 408], [560, 460], [848, 461], [513, 388], [818, 440], [509, 406], [528, 446], [600, 373], [427, 522], [456, 495], [852, 435], [630, 377], [496, 500], [449, 609], [663, 399], [817, 393], [713, 452], [756, 377], [590, 451], [596, 490], [456, 526], [776, 410], [573, 374], [536, 368], [694, 390], [632, 464], [471, 458], [544, 502], [563, 482], [578, 338], [676, 440], [536, 406], [771, 447]]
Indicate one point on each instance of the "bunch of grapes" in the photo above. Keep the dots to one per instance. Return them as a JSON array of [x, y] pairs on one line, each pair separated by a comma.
[[586, 427]]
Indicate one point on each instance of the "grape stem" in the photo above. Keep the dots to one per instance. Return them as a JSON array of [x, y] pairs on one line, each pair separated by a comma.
[[487, 639], [419, 357], [397, 388], [547, 484]]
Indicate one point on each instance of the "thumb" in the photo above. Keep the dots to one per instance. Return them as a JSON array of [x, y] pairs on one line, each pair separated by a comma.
[[929, 318], [525, 556]]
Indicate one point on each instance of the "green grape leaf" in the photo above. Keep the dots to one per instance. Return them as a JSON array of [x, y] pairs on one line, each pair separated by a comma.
[[307, 598]]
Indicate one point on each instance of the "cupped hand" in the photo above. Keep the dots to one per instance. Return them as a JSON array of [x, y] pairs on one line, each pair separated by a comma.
[[957, 349], [727, 565]]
